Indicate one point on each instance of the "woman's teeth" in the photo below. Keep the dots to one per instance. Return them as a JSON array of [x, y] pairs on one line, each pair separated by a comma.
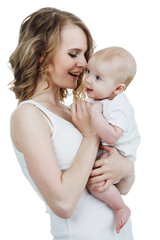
[[73, 74]]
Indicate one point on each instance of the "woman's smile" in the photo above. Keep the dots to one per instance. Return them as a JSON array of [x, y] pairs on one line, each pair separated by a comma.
[[69, 60], [74, 75]]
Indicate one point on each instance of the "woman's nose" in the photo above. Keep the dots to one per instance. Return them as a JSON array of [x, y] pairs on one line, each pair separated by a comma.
[[82, 63]]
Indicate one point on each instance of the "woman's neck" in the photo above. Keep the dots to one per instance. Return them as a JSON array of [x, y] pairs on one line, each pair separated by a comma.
[[44, 94], [50, 99]]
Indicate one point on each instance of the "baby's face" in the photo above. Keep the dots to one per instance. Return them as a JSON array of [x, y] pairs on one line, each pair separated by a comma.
[[100, 79]]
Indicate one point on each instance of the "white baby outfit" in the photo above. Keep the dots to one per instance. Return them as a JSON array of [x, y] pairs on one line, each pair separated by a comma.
[[92, 219], [119, 112]]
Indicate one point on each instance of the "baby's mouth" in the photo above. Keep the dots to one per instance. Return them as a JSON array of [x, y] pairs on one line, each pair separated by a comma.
[[88, 90]]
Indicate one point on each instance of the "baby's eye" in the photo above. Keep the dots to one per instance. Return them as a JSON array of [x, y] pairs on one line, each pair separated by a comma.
[[87, 71], [72, 55], [98, 77]]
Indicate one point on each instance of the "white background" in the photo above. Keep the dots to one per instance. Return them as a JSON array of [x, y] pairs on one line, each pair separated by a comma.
[[134, 25]]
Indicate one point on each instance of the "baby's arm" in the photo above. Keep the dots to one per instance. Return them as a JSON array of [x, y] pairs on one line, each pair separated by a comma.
[[106, 131]]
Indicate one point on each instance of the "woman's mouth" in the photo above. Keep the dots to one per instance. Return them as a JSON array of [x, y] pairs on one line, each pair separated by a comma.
[[74, 76]]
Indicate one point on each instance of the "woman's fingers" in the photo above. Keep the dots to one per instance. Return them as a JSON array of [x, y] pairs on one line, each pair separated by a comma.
[[73, 108], [103, 159], [96, 179], [88, 105], [106, 148], [82, 120], [79, 110], [96, 172], [98, 163]]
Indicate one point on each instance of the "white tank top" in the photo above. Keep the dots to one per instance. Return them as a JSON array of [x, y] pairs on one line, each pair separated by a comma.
[[92, 219]]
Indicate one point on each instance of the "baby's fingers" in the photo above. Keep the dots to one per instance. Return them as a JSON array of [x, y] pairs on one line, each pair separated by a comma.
[[103, 188]]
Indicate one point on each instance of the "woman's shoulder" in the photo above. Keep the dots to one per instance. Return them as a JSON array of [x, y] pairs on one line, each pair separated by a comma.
[[24, 112], [27, 120], [19, 121], [27, 116]]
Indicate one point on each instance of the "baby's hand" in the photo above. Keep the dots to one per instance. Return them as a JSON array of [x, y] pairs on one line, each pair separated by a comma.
[[96, 108]]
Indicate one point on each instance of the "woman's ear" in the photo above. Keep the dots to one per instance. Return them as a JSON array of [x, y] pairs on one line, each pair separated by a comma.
[[40, 59], [119, 89]]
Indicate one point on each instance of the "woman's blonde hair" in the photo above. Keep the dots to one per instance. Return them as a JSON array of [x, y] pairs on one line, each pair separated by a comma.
[[39, 36]]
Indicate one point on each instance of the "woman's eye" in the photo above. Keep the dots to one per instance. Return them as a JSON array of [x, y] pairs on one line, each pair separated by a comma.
[[88, 71], [72, 55], [98, 77]]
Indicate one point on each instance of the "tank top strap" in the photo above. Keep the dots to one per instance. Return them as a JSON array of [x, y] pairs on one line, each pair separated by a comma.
[[44, 111]]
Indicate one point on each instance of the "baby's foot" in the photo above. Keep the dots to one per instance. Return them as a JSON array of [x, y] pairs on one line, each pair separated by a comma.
[[121, 217]]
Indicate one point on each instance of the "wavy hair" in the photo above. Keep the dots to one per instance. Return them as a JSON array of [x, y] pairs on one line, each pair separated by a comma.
[[39, 36]]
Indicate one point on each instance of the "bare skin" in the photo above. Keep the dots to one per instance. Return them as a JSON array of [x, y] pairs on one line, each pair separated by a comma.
[[112, 198], [32, 135]]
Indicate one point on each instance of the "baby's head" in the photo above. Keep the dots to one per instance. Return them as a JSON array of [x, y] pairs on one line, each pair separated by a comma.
[[109, 73]]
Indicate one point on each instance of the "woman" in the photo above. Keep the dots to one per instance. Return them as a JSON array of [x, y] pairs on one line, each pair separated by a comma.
[[55, 156]]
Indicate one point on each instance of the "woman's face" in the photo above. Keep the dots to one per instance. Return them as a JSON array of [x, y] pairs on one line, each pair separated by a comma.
[[69, 60]]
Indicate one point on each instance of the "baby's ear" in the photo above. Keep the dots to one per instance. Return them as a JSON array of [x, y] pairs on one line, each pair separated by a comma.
[[119, 89]]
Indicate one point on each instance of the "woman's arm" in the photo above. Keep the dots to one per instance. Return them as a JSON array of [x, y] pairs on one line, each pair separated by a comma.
[[111, 167], [31, 135], [106, 131]]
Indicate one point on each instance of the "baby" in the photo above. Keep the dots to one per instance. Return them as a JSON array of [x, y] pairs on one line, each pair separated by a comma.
[[109, 73]]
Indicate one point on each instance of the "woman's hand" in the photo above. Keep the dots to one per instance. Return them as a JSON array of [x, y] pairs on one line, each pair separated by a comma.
[[111, 167], [96, 108], [80, 112]]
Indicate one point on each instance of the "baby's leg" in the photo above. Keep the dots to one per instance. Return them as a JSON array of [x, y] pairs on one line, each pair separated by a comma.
[[113, 198]]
